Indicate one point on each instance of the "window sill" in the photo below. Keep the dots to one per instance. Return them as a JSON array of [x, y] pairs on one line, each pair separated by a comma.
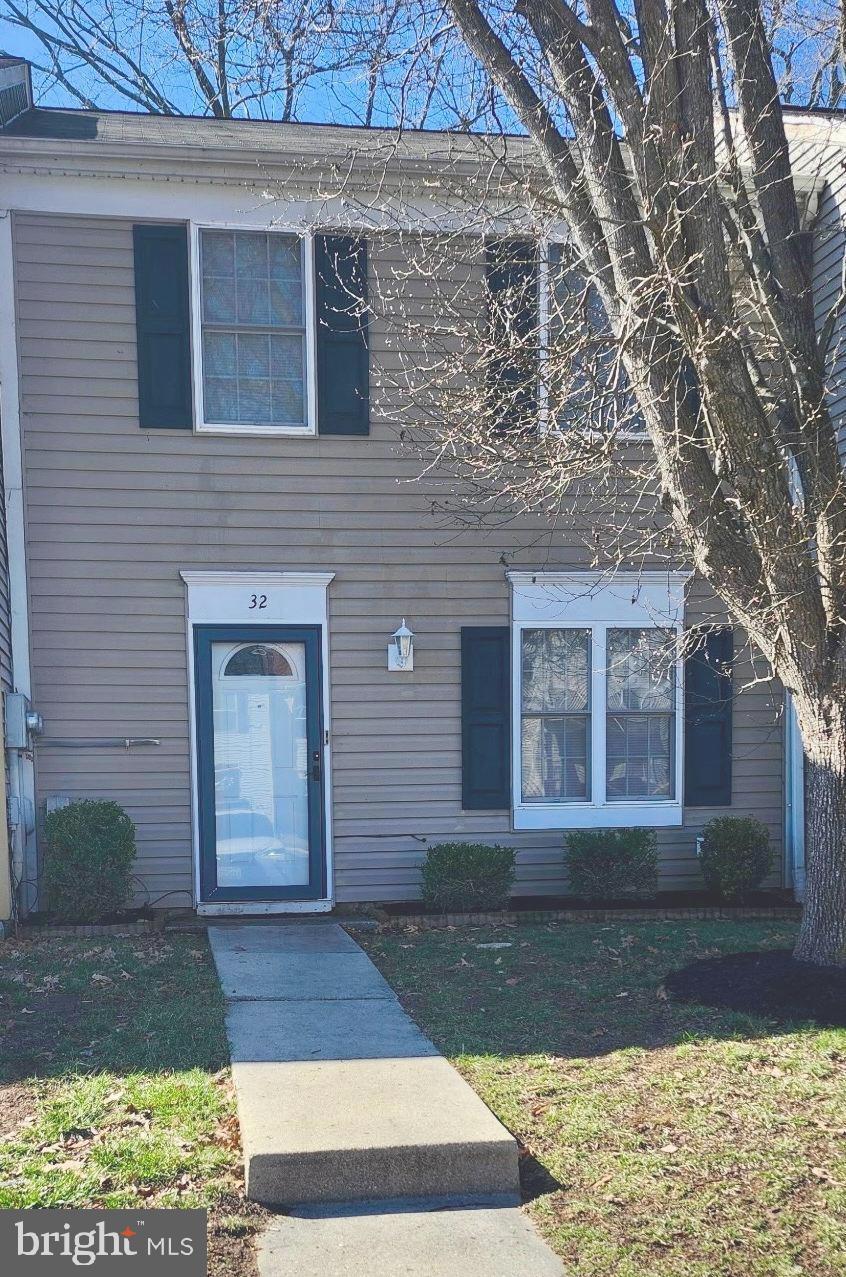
[[596, 816], [267, 432]]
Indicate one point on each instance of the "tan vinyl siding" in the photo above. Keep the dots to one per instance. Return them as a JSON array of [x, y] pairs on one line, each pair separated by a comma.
[[114, 513]]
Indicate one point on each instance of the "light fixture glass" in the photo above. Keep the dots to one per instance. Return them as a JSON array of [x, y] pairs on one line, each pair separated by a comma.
[[401, 649]]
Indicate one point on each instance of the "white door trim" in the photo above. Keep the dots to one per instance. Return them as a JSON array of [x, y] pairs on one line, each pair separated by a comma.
[[257, 598]]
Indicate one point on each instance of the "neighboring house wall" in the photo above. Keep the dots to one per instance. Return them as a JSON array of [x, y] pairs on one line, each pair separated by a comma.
[[114, 513], [829, 244]]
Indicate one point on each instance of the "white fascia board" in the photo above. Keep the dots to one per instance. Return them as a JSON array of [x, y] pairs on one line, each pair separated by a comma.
[[257, 204]]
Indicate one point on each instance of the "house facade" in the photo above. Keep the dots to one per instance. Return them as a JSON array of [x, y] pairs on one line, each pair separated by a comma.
[[222, 532]]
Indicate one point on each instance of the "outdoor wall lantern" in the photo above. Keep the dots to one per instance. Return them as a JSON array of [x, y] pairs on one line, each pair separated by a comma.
[[401, 649]]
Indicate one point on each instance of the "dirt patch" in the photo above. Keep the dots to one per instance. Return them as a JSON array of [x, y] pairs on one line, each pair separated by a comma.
[[234, 1227], [770, 984], [34, 1034], [16, 1105]]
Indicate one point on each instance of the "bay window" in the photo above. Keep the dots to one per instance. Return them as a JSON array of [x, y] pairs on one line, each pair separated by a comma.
[[597, 692]]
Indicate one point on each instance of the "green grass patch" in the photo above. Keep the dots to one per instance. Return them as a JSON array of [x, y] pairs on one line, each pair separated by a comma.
[[659, 1137], [114, 1082]]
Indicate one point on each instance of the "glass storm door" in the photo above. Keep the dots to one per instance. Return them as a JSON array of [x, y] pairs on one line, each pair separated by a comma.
[[260, 763]]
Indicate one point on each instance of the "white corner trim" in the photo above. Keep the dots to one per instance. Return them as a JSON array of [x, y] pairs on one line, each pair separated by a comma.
[[21, 766], [10, 420]]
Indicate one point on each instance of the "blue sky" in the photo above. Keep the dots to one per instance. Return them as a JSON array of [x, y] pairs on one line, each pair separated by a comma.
[[330, 99]]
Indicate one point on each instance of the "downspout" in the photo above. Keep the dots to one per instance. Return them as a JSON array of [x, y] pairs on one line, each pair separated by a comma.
[[794, 802]]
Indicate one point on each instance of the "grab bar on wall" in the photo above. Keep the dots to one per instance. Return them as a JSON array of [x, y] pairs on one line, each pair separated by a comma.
[[105, 742]]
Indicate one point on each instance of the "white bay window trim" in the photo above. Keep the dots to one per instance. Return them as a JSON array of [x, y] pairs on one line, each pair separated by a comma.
[[599, 602], [309, 314]]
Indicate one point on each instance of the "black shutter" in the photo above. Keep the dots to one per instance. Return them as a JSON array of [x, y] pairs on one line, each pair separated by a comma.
[[485, 718], [512, 278], [708, 710], [343, 365], [162, 317]]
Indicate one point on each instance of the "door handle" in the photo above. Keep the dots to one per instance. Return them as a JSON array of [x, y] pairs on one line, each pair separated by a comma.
[[315, 765]]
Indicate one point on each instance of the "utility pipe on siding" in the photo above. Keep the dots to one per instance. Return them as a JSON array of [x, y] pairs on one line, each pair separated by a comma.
[[105, 742]]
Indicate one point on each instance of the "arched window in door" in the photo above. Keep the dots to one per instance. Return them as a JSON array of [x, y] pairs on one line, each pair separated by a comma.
[[257, 660]]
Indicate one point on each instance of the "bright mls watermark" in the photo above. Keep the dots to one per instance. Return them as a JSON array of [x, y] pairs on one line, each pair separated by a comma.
[[46, 1243]]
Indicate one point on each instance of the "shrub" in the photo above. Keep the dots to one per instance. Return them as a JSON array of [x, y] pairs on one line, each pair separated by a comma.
[[611, 864], [467, 875], [736, 855], [89, 850]]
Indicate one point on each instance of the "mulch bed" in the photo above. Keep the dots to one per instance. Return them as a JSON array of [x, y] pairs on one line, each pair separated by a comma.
[[770, 984]]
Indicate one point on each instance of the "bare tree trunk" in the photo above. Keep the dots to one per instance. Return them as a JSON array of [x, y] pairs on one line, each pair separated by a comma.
[[822, 935]]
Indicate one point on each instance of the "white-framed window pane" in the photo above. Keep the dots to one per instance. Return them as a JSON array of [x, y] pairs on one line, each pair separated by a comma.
[[554, 754], [640, 723], [220, 354], [639, 756], [251, 255], [253, 338], [641, 670], [588, 387], [556, 670], [286, 302], [555, 732]]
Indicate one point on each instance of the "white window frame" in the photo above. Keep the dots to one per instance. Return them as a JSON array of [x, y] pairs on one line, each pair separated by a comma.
[[201, 426], [598, 602], [545, 425]]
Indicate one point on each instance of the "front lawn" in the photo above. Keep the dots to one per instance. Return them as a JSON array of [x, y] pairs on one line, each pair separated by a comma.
[[660, 1138], [114, 1083]]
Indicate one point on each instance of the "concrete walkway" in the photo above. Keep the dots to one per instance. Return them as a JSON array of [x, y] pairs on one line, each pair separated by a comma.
[[342, 1100], [406, 1241], [340, 1096]]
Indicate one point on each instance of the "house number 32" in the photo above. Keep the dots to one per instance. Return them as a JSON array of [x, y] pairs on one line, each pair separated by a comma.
[[258, 601]]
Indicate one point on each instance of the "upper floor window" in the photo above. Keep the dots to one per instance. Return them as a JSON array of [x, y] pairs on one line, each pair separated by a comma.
[[585, 384], [253, 330]]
